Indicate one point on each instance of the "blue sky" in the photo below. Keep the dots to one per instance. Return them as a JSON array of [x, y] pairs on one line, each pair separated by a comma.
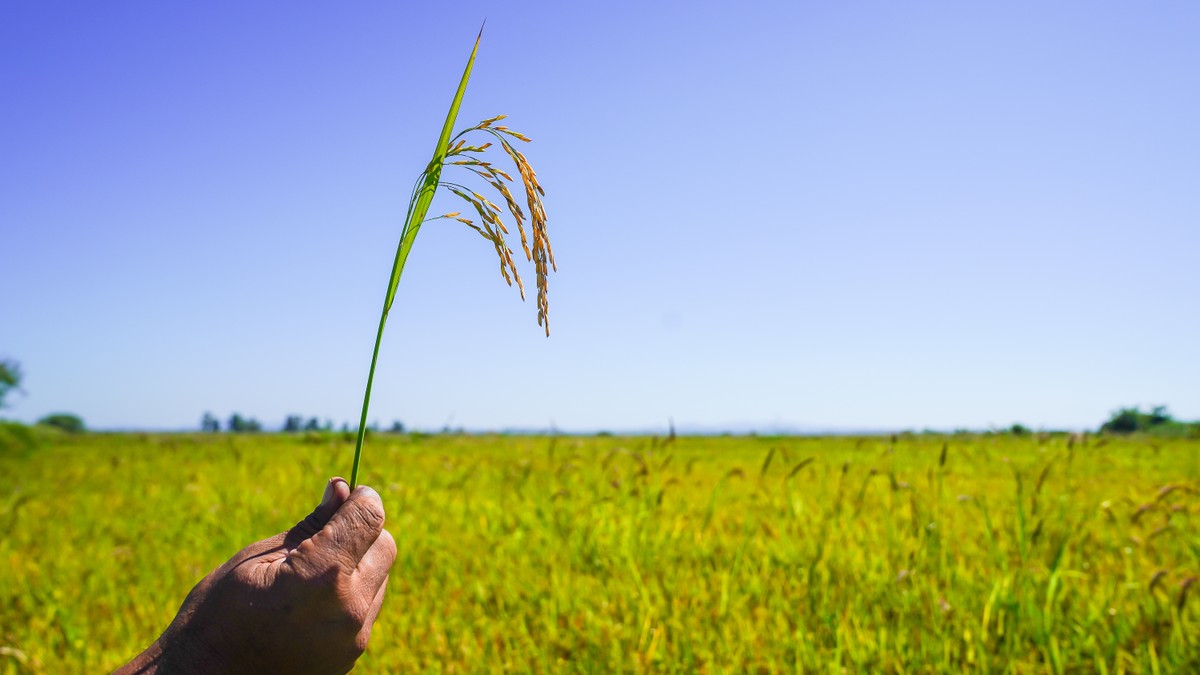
[[766, 215]]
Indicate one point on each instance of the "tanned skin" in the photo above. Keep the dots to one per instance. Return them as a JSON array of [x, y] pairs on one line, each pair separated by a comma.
[[300, 602]]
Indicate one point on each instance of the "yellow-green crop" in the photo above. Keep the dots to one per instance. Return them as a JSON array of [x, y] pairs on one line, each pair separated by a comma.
[[927, 554], [458, 153]]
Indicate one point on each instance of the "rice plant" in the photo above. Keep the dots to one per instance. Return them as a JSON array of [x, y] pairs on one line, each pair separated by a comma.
[[597, 554], [462, 152]]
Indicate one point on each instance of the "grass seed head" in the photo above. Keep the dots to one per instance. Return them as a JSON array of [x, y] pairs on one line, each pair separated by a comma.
[[1183, 590], [541, 254], [1156, 579]]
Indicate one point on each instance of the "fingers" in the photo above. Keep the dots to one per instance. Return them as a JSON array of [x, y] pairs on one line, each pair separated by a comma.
[[373, 569], [337, 491], [364, 633], [277, 547], [346, 537], [355, 526]]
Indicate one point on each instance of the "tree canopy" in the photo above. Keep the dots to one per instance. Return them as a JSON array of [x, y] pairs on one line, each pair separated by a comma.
[[69, 423], [1157, 421], [10, 379]]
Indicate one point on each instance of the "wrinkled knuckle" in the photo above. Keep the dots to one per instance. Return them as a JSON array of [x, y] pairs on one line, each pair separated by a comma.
[[309, 564], [369, 513], [304, 549]]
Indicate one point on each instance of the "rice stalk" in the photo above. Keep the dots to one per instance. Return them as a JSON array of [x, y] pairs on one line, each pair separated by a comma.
[[456, 152]]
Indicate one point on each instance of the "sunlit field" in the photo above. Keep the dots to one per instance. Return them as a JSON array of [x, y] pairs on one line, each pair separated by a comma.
[[992, 553]]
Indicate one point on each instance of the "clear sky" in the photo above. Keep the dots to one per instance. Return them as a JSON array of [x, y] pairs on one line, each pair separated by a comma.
[[805, 215]]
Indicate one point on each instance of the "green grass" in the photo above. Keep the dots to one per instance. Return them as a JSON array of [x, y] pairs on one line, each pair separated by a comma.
[[630, 554]]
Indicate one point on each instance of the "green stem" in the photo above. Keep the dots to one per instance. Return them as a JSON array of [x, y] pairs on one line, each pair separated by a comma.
[[393, 281], [417, 209], [362, 422]]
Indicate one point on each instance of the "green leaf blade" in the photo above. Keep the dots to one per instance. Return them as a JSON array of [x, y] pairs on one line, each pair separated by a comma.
[[416, 215]]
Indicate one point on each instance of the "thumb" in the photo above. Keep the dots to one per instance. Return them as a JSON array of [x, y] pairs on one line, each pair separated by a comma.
[[345, 539], [337, 491]]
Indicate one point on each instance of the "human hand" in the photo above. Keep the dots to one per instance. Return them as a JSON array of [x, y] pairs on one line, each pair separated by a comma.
[[302, 601]]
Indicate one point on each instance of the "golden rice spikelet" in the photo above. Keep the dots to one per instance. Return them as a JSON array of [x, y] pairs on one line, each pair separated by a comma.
[[491, 226]]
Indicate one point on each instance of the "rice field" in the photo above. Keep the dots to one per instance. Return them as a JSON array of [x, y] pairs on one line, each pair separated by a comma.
[[916, 553]]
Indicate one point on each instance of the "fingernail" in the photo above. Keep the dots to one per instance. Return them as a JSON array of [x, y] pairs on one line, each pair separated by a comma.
[[330, 491]]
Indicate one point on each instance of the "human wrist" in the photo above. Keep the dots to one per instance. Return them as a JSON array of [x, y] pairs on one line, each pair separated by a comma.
[[177, 655], [185, 653]]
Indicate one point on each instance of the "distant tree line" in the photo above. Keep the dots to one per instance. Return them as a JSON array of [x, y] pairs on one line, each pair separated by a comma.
[[292, 424], [72, 424], [1156, 422], [236, 424], [1131, 420], [296, 423]]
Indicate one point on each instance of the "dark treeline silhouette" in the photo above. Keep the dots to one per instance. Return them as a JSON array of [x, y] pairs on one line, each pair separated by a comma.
[[296, 423], [236, 424], [67, 422], [239, 424], [292, 424], [1156, 422]]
